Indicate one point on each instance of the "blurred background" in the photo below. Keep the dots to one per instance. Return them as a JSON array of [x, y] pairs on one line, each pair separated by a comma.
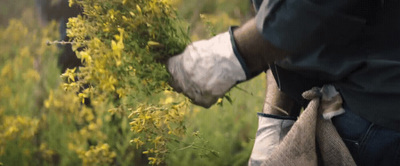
[[33, 133]]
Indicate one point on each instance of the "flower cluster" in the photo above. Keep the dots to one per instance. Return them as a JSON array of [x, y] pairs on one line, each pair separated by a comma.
[[96, 155], [17, 127], [123, 46]]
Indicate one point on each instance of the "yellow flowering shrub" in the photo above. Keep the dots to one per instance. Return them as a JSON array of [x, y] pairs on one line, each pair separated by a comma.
[[123, 46], [16, 127], [24, 60], [89, 136], [96, 155]]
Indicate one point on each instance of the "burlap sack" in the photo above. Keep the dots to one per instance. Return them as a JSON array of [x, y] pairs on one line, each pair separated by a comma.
[[312, 135]]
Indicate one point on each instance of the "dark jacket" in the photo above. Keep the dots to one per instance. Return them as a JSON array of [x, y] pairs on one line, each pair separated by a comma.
[[352, 44]]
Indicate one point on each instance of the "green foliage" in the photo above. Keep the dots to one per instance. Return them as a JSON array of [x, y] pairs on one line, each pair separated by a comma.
[[133, 118], [25, 61], [207, 17], [12, 9]]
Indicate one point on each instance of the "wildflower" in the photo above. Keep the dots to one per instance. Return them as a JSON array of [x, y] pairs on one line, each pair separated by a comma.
[[69, 74]]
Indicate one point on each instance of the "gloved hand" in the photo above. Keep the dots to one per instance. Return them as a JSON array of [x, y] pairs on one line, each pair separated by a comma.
[[273, 125], [271, 131], [206, 70]]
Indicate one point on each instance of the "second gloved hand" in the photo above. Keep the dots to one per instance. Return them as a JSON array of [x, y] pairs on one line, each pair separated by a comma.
[[206, 70]]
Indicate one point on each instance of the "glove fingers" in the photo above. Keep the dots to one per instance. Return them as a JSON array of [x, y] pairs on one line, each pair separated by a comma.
[[204, 101], [175, 86], [181, 83], [173, 65], [206, 70]]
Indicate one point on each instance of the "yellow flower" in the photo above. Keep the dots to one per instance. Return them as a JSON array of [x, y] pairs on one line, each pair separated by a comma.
[[69, 74], [138, 142], [168, 100], [85, 57]]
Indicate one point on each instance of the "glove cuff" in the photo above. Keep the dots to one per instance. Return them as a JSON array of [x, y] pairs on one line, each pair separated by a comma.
[[237, 53], [261, 114]]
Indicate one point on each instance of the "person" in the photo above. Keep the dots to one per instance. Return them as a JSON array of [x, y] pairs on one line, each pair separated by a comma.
[[62, 12], [350, 44]]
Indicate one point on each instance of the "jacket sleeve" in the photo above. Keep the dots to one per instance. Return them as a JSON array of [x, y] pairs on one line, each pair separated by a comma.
[[296, 25]]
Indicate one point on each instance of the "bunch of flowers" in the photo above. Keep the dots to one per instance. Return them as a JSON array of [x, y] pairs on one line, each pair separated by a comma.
[[123, 45]]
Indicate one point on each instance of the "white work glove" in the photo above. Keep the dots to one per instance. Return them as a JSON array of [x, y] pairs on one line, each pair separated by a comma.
[[206, 70], [271, 131]]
